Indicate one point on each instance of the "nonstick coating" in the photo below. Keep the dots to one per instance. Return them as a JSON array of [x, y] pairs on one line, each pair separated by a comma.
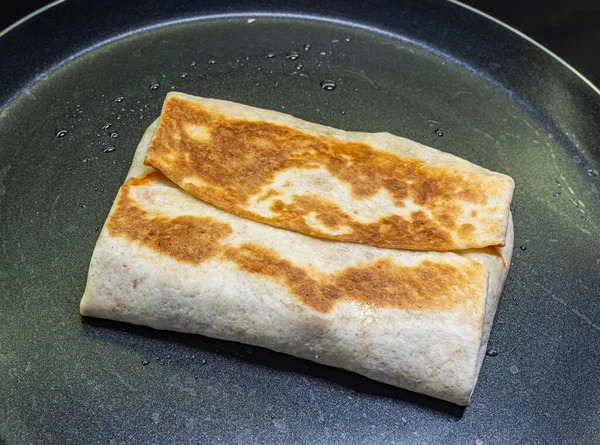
[[414, 68]]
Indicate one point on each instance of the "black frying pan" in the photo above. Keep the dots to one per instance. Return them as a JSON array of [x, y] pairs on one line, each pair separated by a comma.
[[416, 68]]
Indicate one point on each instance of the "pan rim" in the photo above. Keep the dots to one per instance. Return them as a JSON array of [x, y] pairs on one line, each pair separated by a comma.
[[583, 78], [29, 16], [530, 40]]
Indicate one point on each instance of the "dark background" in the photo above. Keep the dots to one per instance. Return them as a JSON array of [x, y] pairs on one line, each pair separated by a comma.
[[569, 28]]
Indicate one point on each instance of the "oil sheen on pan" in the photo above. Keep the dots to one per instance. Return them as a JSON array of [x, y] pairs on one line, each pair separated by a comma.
[[371, 188]]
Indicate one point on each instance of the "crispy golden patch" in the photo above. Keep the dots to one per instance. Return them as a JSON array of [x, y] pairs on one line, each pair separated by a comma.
[[271, 193], [466, 229], [148, 179], [186, 238], [379, 233], [426, 286], [194, 240], [235, 159]]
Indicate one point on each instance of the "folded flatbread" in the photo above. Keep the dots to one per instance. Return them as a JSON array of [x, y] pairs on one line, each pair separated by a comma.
[[417, 320], [372, 188]]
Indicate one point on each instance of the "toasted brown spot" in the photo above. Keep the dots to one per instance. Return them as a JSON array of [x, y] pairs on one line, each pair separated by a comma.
[[268, 195], [426, 286], [466, 229], [186, 238], [135, 284], [241, 157], [446, 220], [379, 233], [147, 179]]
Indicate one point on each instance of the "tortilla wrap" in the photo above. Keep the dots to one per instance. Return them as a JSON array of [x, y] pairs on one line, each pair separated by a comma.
[[417, 320]]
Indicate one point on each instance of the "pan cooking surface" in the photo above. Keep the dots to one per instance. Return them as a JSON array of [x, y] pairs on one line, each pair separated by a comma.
[[68, 133]]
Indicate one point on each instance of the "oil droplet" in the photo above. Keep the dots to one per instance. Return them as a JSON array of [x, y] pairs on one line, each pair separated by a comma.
[[114, 134], [183, 75], [523, 247], [155, 86], [82, 206], [299, 66], [556, 194], [323, 53], [106, 126], [307, 46], [193, 64], [61, 133], [119, 99], [212, 61], [439, 132], [270, 55], [145, 363], [514, 369], [592, 172], [343, 112], [328, 85], [109, 149], [491, 353], [347, 40], [292, 56]]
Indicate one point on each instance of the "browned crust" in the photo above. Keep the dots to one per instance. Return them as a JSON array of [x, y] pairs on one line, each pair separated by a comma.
[[237, 158]]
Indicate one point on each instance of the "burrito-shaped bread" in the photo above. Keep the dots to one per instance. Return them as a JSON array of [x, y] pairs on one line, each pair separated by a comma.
[[371, 188], [417, 320]]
